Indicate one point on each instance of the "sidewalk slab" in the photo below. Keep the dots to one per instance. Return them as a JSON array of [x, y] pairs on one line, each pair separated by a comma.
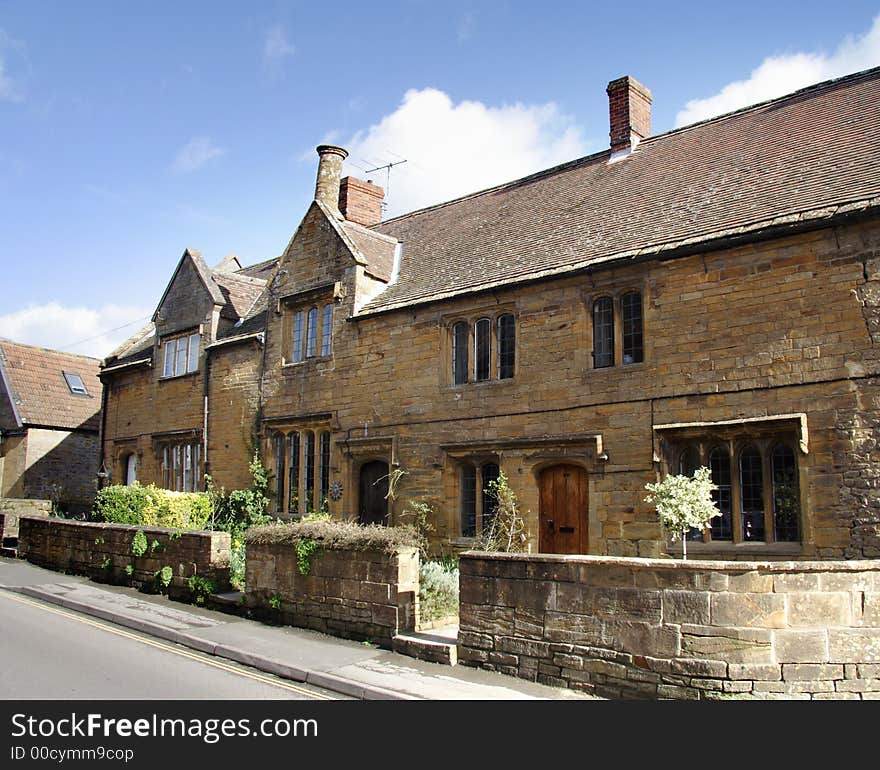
[[355, 669]]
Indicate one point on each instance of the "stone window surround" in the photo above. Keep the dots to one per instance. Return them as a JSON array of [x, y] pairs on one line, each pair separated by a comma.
[[616, 298], [318, 425], [175, 337], [317, 298], [764, 433], [164, 445], [493, 313]]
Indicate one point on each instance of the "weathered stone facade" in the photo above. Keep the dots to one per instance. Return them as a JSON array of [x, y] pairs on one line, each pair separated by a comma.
[[11, 509], [104, 553], [365, 595], [758, 338], [649, 628]]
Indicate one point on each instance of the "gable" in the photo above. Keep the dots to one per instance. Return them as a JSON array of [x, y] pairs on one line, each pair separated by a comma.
[[190, 297]]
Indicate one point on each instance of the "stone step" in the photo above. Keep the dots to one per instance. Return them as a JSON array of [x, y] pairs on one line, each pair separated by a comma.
[[438, 646]]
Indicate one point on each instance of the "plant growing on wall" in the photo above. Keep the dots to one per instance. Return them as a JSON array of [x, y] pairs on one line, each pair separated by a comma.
[[683, 502], [507, 528], [419, 514]]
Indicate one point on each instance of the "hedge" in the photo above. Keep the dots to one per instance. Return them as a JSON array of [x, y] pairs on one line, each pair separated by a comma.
[[150, 506]]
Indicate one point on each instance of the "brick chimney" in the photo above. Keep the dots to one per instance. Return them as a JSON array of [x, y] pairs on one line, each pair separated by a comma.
[[329, 173], [361, 201], [629, 104]]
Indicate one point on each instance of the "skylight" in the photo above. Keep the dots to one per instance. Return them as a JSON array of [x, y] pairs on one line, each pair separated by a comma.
[[76, 384]]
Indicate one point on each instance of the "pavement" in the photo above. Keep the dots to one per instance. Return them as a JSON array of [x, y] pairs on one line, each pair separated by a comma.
[[350, 668]]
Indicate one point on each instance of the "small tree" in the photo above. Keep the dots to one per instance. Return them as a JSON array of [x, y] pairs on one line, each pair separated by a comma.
[[683, 502], [507, 529]]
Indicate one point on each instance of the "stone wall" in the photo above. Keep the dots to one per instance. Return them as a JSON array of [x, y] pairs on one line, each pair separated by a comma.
[[366, 595], [12, 508], [658, 628], [104, 551]]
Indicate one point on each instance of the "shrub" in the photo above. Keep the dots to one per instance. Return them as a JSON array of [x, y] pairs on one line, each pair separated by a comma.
[[683, 502], [507, 530], [438, 590], [335, 535], [150, 506]]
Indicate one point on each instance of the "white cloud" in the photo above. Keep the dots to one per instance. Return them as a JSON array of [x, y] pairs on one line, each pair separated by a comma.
[[195, 154], [9, 88], [778, 75], [276, 45], [455, 149], [87, 331]]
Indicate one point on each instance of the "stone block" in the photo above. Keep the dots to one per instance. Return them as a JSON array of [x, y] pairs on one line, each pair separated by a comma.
[[811, 672], [629, 603], [528, 623], [819, 609], [854, 645], [798, 581], [497, 621], [474, 590], [527, 647], [849, 581], [572, 629], [750, 582], [764, 610], [858, 685], [685, 607], [871, 609], [754, 671], [675, 692], [641, 638], [605, 667], [575, 598], [794, 646], [699, 667], [479, 641], [378, 593]]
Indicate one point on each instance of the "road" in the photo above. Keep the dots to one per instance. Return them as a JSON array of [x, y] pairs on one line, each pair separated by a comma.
[[53, 653]]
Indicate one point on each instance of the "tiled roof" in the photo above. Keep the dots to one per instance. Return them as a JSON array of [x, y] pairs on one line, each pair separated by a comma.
[[796, 157], [377, 249], [245, 299], [40, 392]]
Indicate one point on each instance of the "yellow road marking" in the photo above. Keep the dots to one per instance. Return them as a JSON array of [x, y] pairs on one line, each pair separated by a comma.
[[168, 648]]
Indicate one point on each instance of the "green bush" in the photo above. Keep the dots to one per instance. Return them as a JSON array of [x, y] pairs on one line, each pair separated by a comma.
[[438, 590], [150, 506]]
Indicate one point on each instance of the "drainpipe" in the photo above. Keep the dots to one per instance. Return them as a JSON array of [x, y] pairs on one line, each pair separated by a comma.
[[205, 421], [102, 427]]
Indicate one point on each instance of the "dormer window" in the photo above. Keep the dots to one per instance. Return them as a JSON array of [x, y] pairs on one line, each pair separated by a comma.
[[75, 383], [181, 355]]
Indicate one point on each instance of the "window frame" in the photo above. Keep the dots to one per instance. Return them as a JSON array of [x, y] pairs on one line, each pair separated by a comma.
[[737, 444], [473, 348], [620, 334], [185, 357], [477, 468], [308, 331], [75, 390], [181, 465], [302, 484]]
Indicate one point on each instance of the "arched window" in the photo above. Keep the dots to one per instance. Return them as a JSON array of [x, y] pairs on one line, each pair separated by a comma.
[[296, 347], [131, 465], [279, 471], [312, 333], [688, 462], [719, 465], [309, 471], [751, 476], [506, 346], [603, 333], [324, 470], [786, 496], [293, 473], [482, 349], [631, 322], [326, 329], [460, 353], [468, 482]]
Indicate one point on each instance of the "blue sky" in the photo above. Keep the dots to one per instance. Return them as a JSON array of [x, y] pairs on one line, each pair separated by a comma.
[[129, 131]]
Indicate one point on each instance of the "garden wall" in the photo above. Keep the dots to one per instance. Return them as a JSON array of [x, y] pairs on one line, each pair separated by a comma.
[[663, 628], [11, 508], [104, 551], [365, 595]]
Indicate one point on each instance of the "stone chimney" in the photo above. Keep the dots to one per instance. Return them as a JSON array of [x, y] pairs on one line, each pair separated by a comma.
[[629, 104], [329, 174], [361, 201]]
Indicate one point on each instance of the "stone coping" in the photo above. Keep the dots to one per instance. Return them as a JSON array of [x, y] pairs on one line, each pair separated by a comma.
[[114, 525], [830, 565]]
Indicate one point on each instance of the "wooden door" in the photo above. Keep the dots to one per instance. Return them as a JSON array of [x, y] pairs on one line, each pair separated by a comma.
[[564, 507], [373, 493]]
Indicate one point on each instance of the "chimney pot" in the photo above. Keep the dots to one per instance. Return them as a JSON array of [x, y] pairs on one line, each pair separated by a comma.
[[330, 159], [629, 106]]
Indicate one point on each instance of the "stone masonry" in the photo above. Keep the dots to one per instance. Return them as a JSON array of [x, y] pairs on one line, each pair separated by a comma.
[[104, 551], [663, 628], [365, 595]]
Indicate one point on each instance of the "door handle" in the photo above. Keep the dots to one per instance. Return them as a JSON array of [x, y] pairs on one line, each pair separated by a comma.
[[551, 524]]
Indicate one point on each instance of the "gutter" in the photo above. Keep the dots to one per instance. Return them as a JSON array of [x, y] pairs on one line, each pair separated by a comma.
[[231, 340], [128, 365]]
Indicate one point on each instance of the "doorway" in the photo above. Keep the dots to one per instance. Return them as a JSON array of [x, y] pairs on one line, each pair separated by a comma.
[[564, 510], [373, 493]]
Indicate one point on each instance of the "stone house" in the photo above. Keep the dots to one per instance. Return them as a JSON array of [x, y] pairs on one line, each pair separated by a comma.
[[50, 406], [706, 296]]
